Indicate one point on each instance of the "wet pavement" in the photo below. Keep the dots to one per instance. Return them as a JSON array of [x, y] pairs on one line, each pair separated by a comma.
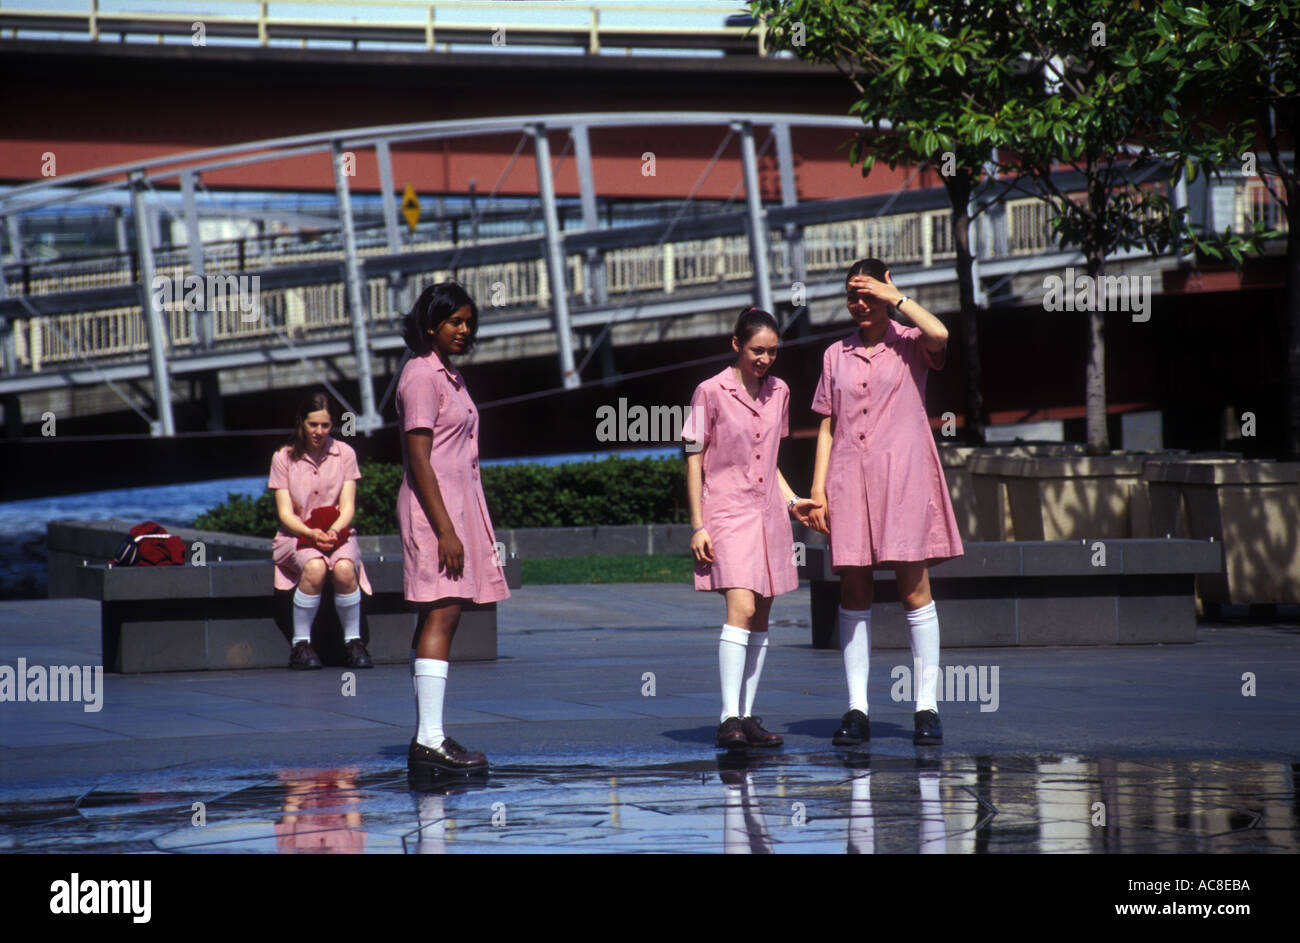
[[598, 720]]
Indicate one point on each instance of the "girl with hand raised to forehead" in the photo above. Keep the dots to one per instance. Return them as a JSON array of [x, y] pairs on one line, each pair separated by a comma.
[[448, 546], [878, 475], [740, 506], [315, 478]]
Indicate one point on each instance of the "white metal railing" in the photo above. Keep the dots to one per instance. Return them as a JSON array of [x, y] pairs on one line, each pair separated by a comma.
[[904, 239]]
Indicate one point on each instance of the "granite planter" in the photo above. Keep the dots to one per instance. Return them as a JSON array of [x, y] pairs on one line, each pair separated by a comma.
[[1252, 508]]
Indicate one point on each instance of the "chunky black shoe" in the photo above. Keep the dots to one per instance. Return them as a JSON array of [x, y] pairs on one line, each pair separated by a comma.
[[854, 728], [448, 757], [304, 657], [731, 735], [756, 735], [928, 728], [358, 657]]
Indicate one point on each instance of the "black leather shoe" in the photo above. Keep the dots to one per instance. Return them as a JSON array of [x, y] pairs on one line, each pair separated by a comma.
[[358, 657], [854, 728], [928, 728], [303, 657], [448, 757], [731, 735], [756, 735]]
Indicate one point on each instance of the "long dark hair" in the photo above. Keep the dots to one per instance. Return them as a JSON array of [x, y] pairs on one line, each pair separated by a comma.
[[436, 304], [313, 402], [751, 321]]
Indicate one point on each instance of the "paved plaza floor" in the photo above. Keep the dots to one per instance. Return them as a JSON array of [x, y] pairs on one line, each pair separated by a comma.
[[598, 719]]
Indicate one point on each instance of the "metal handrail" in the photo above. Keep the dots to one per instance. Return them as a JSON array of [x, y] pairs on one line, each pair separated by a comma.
[[218, 158]]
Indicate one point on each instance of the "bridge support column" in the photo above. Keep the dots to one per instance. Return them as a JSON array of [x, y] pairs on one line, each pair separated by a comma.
[[793, 232], [597, 290], [357, 313], [203, 327], [559, 289], [399, 300], [119, 231], [759, 253], [154, 317], [15, 236]]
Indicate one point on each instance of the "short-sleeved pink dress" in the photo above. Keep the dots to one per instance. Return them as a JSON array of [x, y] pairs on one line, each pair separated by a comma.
[[886, 494], [313, 485], [432, 395], [744, 510]]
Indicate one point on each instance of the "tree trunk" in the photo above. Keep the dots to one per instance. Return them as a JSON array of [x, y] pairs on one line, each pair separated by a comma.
[[1094, 397], [1292, 319], [959, 190]]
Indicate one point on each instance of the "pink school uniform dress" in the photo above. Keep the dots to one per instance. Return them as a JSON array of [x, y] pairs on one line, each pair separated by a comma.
[[743, 508], [432, 395], [310, 486], [885, 490]]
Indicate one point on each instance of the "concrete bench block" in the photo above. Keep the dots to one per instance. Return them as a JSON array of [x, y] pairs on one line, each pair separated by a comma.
[[983, 559], [1144, 620], [245, 643], [1171, 556], [1064, 558], [1066, 620]]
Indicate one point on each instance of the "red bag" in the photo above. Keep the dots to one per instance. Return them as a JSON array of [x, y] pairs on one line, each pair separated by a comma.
[[322, 519], [149, 544]]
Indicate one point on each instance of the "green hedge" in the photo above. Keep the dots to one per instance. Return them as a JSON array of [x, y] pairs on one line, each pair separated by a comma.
[[578, 494]]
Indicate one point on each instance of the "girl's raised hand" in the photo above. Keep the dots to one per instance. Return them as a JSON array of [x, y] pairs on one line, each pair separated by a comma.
[[702, 547], [885, 291], [451, 554], [803, 509]]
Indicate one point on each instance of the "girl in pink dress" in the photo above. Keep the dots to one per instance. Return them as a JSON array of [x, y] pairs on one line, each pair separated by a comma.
[[448, 546], [312, 473], [740, 507], [878, 474]]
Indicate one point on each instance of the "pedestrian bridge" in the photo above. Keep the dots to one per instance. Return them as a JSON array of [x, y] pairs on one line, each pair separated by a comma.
[[326, 288]]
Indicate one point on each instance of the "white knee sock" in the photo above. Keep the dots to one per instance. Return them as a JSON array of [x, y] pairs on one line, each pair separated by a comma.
[[430, 676], [923, 625], [855, 643], [348, 606], [755, 653], [304, 614], [732, 646]]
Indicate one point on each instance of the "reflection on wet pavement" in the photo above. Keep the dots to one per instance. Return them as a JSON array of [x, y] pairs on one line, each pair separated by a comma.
[[786, 802]]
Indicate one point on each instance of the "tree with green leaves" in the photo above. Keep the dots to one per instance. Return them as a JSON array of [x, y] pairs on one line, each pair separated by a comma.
[[922, 71], [1089, 85], [1249, 52]]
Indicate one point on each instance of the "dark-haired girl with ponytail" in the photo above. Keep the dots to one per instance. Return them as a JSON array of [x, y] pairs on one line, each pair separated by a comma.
[[740, 506], [448, 546], [314, 478]]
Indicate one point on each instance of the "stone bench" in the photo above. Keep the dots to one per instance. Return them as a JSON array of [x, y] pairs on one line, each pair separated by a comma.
[[1038, 593], [227, 613]]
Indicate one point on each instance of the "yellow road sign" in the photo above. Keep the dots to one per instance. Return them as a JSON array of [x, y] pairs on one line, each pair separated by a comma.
[[410, 206]]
